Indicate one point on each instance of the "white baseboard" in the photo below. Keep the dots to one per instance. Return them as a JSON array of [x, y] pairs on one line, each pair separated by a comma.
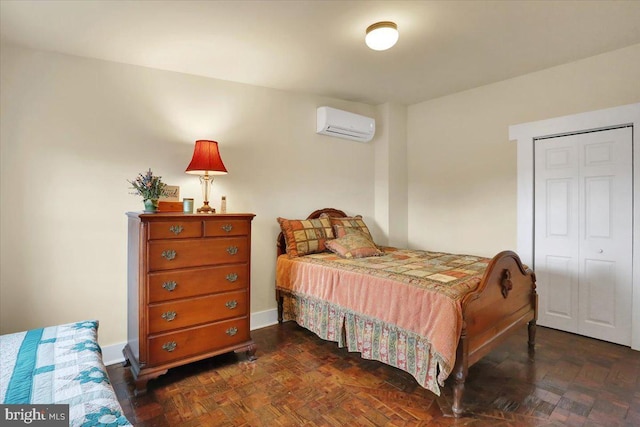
[[112, 354], [262, 319]]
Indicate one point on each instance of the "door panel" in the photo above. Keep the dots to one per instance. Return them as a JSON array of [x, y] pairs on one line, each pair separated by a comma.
[[558, 207], [606, 237], [598, 207], [556, 233], [559, 289], [599, 298], [583, 233]]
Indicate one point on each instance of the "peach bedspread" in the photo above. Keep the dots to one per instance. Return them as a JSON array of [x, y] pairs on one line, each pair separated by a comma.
[[415, 292]]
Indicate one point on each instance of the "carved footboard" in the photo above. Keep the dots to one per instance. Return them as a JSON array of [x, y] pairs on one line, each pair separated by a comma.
[[505, 300]]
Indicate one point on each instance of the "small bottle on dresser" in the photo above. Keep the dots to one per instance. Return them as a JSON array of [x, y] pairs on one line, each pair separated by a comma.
[[223, 205]]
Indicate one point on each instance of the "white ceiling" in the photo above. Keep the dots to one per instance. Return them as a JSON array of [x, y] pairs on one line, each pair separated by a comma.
[[318, 46]]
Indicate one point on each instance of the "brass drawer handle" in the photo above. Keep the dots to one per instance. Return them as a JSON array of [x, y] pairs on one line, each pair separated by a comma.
[[232, 250], [169, 346], [169, 315], [170, 286], [232, 277], [169, 254], [231, 304], [176, 229], [231, 331], [227, 227]]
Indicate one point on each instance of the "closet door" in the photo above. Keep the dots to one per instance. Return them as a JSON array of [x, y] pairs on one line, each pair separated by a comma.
[[556, 261], [583, 233]]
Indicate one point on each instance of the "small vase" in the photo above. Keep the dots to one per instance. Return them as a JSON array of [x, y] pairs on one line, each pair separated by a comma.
[[150, 205]]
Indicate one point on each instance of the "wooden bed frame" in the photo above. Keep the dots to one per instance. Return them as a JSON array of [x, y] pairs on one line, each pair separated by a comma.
[[505, 301]]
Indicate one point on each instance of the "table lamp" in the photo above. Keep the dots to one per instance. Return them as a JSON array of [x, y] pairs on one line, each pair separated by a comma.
[[206, 162]]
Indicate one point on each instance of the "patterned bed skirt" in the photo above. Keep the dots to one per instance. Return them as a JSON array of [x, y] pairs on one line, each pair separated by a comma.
[[373, 338]]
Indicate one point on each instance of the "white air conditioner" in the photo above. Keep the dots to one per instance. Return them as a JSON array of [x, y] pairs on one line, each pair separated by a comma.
[[343, 124]]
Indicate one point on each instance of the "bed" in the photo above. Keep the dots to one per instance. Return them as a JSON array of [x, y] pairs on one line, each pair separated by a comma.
[[60, 365], [431, 314]]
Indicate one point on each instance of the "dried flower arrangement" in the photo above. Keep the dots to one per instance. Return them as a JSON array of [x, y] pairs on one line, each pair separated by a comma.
[[148, 186]]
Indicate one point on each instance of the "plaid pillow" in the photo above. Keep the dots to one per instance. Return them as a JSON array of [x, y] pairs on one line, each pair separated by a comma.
[[343, 226], [305, 236], [353, 245]]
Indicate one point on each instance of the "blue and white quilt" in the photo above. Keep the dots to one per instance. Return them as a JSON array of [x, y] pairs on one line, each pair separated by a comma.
[[60, 365]]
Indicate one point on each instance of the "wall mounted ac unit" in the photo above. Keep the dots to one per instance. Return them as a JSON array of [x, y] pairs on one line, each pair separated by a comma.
[[343, 124]]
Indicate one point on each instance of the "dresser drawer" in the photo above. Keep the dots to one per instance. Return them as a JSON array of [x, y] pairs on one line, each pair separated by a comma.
[[170, 254], [205, 339], [226, 228], [176, 284], [195, 311], [174, 229]]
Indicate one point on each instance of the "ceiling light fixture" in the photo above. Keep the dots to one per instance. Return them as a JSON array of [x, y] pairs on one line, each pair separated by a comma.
[[382, 35]]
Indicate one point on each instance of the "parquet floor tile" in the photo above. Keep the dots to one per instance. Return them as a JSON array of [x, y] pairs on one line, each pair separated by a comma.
[[300, 380]]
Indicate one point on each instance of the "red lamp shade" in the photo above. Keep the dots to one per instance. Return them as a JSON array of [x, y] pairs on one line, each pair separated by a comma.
[[206, 159]]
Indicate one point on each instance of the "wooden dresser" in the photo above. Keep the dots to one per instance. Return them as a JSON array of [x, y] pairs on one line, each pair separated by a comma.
[[188, 290]]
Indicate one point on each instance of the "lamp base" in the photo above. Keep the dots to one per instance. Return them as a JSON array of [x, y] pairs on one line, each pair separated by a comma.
[[206, 209]]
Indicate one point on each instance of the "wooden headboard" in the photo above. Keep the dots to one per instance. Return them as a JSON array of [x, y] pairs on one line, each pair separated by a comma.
[[335, 213]]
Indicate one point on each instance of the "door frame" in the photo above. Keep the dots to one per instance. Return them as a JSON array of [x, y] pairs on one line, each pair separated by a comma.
[[525, 135]]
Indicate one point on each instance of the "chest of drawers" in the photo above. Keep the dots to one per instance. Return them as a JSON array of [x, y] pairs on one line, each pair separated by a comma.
[[188, 284]]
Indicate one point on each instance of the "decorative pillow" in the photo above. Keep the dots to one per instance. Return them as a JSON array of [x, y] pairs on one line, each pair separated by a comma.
[[343, 226], [353, 245], [305, 236]]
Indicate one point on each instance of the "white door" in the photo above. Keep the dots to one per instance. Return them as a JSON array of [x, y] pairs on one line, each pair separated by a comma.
[[583, 233]]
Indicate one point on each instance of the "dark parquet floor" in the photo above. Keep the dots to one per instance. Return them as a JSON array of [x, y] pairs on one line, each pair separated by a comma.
[[300, 380]]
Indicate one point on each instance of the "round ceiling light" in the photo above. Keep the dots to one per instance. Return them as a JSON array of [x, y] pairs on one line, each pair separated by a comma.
[[382, 35]]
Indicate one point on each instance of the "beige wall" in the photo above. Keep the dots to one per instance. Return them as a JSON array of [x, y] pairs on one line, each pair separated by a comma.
[[74, 130], [462, 166], [391, 175]]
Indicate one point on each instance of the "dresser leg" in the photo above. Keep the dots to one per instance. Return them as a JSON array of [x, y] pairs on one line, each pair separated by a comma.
[[141, 380], [141, 387], [251, 353]]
